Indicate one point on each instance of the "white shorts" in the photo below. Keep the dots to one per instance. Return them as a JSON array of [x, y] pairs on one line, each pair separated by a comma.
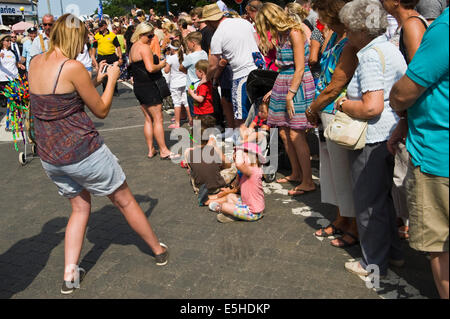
[[179, 97]]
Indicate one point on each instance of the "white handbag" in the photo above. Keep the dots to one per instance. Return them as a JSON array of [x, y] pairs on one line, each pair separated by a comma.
[[347, 131]]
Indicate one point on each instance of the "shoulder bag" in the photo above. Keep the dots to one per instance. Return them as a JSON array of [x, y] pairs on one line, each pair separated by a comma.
[[347, 131]]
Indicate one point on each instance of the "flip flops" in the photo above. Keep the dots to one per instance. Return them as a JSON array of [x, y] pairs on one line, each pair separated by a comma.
[[324, 234], [345, 243]]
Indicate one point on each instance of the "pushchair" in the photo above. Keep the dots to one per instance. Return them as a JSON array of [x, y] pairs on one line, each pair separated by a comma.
[[259, 83]]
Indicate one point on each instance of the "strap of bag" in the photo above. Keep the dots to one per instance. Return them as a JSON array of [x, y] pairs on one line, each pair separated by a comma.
[[41, 38], [382, 59]]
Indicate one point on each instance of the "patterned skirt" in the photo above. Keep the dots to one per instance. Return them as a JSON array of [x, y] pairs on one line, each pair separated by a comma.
[[278, 116]]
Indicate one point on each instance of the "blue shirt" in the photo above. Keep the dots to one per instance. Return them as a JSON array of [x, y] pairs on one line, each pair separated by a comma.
[[373, 75], [27, 51], [189, 63], [428, 118], [329, 61]]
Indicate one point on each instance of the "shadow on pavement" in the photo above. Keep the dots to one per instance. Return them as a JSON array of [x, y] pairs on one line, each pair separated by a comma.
[[108, 226], [23, 262], [401, 283]]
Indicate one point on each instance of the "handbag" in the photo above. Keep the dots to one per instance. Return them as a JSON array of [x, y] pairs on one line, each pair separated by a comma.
[[347, 131], [163, 88]]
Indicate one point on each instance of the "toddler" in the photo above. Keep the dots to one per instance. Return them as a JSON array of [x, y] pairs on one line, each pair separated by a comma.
[[251, 205], [203, 95]]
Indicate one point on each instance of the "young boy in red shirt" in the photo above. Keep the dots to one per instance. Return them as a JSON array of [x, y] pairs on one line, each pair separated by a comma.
[[203, 95]]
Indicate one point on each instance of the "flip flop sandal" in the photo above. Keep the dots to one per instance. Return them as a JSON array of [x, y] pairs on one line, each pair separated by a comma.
[[346, 244], [170, 157], [324, 234], [286, 181], [299, 192]]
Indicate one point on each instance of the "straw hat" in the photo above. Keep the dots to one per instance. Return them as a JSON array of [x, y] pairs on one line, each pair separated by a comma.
[[3, 36], [211, 12]]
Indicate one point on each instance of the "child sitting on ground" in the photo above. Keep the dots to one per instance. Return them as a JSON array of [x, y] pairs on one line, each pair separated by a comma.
[[258, 130], [207, 164], [203, 95], [251, 205]]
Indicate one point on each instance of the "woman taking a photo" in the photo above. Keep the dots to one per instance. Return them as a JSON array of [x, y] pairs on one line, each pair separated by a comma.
[[292, 93], [146, 70], [72, 152]]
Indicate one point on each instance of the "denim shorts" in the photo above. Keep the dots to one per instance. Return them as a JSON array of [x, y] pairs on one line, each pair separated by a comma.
[[100, 174]]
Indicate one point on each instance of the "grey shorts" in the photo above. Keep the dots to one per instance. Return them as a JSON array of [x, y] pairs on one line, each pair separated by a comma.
[[100, 174]]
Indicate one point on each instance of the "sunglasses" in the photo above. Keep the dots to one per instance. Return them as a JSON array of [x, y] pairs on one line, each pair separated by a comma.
[[150, 36], [47, 24]]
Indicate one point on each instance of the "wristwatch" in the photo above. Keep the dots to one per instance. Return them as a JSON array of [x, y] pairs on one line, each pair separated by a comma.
[[341, 103]]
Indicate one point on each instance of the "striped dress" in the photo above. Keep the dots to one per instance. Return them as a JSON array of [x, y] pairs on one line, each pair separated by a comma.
[[278, 116]]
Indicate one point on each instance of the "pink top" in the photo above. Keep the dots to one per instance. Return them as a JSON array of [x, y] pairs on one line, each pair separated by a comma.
[[252, 191]]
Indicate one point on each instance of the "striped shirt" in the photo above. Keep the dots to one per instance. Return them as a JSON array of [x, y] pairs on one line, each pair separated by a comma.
[[369, 77]]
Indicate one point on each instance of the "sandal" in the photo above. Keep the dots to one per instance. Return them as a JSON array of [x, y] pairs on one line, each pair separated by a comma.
[[171, 157], [324, 234], [345, 243], [299, 192], [285, 180]]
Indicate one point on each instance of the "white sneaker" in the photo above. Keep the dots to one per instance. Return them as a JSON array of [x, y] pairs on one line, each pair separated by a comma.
[[355, 268]]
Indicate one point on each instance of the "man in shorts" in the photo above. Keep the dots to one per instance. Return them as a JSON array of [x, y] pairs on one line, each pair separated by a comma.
[[235, 41], [424, 93]]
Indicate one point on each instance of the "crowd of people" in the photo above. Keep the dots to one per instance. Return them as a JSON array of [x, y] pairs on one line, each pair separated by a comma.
[[390, 75]]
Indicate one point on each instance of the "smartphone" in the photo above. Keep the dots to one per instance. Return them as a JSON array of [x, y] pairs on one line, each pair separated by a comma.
[[105, 68]]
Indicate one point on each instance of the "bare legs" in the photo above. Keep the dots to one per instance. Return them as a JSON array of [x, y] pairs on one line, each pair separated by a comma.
[[81, 209], [439, 266], [153, 127], [228, 112], [178, 111], [299, 155], [296, 174]]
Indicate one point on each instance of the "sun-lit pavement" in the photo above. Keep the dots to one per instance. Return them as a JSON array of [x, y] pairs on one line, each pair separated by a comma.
[[276, 257]]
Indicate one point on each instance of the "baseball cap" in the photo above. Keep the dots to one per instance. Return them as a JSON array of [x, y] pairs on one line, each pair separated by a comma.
[[32, 30]]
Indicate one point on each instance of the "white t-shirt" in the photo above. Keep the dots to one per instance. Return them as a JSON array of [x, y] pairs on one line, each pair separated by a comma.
[[8, 67], [85, 58], [234, 39], [177, 78], [189, 63]]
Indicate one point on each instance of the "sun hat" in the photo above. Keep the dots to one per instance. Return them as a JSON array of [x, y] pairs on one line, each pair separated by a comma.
[[4, 36], [253, 148], [211, 12]]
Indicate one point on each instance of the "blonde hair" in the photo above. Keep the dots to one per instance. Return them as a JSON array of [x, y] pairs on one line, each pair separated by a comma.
[[142, 28], [272, 18], [296, 12], [68, 34], [195, 37], [202, 65], [169, 27]]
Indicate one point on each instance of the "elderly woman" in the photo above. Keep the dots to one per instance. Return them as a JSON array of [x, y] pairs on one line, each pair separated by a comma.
[[381, 65], [338, 64]]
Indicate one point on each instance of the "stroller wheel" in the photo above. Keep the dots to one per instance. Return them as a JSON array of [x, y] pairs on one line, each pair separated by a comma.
[[22, 159], [270, 178]]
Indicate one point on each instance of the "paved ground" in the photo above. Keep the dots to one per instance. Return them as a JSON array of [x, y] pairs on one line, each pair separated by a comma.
[[277, 257]]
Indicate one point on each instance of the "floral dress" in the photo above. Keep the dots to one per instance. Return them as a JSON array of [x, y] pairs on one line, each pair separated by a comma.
[[278, 116]]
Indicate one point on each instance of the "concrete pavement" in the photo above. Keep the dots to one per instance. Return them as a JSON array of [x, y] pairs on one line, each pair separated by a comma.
[[276, 257]]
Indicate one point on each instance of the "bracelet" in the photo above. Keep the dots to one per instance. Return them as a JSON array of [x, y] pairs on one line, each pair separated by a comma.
[[293, 92]]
